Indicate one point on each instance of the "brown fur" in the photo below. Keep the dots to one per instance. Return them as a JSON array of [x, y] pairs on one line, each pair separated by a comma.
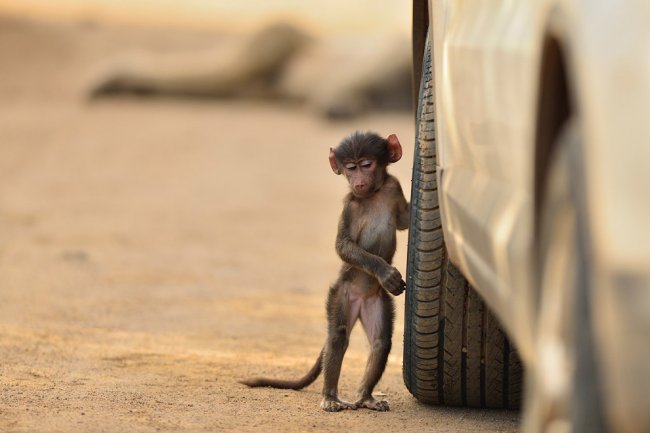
[[372, 212]]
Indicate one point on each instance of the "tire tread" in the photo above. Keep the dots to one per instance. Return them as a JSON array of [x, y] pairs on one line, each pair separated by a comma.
[[455, 352]]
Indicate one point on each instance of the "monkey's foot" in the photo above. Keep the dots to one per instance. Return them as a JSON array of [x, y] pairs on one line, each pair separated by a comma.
[[331, 404], [372, 404]]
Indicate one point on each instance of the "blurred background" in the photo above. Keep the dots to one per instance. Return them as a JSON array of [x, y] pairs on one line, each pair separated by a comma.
[[358, 16], [167, 211], [339, 59]]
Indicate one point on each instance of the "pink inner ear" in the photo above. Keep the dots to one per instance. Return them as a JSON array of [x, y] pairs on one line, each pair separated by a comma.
[[333, 163], [394, 148]]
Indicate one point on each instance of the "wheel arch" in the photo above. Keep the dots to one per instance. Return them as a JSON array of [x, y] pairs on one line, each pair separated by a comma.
[[559, 103], [420, 25], [554, 108]]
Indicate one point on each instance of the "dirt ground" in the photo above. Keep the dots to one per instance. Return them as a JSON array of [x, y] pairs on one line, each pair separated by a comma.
[[154, 252]]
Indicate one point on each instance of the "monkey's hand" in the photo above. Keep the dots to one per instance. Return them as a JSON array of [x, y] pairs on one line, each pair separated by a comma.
[[391, 280]]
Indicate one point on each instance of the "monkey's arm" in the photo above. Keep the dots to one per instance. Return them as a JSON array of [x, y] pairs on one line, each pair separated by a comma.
[[356, 256], [351, 253], [403, 209]]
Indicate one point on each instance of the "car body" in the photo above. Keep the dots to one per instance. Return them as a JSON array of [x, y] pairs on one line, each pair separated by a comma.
[[508, 76]]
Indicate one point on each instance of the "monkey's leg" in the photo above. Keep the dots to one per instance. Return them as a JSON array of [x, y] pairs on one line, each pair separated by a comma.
[[338, 337], [377, 315]]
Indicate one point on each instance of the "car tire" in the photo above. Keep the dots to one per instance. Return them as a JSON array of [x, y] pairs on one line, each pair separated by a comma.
[[455, 352]]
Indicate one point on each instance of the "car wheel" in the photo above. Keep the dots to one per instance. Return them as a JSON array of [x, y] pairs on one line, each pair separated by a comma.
[[562, 393], [455, 352]]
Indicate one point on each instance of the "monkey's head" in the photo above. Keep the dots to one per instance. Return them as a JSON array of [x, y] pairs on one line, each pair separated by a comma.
[[362, 158]]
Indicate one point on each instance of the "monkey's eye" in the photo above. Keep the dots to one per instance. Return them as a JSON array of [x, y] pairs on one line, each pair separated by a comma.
[[366, 163], [350, 166]]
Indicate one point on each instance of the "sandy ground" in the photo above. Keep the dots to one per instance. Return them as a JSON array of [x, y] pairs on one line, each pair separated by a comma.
[[153, 252]]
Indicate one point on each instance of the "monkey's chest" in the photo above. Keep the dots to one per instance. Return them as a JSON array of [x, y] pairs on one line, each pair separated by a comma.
[[376, 232]]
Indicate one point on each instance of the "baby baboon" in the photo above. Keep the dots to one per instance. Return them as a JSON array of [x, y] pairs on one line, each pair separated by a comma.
[[373, 210]]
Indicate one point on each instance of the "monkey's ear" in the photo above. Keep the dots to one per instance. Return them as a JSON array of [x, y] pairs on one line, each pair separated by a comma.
[[394, 148], [333, 163]]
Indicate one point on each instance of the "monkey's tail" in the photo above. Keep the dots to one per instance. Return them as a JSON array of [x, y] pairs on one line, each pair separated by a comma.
[[308, 379]]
